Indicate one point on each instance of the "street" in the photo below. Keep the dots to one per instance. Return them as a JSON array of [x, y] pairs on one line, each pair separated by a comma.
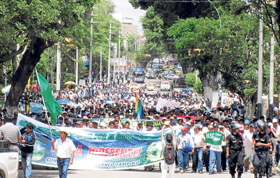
[[157, 82], [135, 173]]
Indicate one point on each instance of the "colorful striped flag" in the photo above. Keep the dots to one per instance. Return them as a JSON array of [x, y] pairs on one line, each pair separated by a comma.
[[139, 108]]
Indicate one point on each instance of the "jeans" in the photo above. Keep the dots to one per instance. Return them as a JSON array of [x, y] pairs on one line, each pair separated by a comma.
[[63, 165], [165, 167], [27, 165], [206, 158], [183, 159], [214, 155], [197, 159]]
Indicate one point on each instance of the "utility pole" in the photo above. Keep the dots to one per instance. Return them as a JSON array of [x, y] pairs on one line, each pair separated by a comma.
[[271, 73], [260, 88], [115, 56], [119, 53], [77, 65], [90, 49], [90, 55], [58, 60], [109, 57], [135, 41], [139, 43], [100, 63]]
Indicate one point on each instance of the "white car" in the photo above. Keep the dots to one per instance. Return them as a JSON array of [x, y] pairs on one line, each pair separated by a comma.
[[165, 85], [8, 163], [171, 76]]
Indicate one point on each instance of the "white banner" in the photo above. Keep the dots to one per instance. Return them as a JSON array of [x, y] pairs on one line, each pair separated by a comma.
[[166, 103]]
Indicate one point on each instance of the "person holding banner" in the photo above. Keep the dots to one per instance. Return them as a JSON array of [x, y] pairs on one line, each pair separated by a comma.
[[27, 147], [216, 150], [65, 152], [168, 152], [235, 151]]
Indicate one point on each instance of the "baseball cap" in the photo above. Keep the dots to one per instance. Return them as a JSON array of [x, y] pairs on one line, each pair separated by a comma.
[[247, 122], [274, 120], [251, 125], [183, 128]]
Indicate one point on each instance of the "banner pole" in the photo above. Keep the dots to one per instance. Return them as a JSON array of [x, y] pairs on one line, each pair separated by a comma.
[[45, 115]]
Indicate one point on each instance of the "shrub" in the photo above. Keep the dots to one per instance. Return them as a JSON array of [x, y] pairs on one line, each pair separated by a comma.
[[198, 87], [190, 79]]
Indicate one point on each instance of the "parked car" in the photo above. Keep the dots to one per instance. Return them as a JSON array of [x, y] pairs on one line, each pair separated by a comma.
[[8, 161]]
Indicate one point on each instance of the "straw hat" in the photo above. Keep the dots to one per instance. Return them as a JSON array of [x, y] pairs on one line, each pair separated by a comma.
[[63, 129]]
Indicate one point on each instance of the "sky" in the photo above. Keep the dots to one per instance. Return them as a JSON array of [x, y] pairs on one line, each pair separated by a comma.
[[125, 8]]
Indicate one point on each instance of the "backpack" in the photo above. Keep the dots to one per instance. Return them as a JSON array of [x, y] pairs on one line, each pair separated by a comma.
[[187, 147], [169, 153]]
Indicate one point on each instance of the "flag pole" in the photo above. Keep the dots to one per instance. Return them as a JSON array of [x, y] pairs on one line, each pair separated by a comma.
[[45, 107]]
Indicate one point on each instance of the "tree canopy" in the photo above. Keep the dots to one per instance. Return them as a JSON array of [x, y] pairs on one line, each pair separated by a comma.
[[29, 27]]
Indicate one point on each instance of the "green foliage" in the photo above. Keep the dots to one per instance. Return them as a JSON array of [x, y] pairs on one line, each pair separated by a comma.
[[231, 50], [198, 87], [65, 76], [190, 79], [154, 32]]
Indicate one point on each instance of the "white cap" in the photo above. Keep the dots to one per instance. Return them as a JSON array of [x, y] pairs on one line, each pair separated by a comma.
[[103, 124], [274, 120], [187, 123]]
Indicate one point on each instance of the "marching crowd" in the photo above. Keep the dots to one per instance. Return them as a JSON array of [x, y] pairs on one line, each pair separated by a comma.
[[102, 106]]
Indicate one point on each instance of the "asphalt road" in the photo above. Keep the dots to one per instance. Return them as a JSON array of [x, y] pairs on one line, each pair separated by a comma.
[[131, 173]]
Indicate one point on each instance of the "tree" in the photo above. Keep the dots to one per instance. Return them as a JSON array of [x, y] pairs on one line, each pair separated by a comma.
[[190, 79], [36, 25], [230, 51], [154, 32]]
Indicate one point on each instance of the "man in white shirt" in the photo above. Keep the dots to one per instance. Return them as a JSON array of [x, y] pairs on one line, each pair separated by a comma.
[[249, 135], [65, 152], [276, 128], [215, 114], [182, 155], [198, 149]]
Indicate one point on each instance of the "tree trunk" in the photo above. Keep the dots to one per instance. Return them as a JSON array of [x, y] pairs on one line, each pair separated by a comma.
[[250, 104], [209, 86], [29, 60]]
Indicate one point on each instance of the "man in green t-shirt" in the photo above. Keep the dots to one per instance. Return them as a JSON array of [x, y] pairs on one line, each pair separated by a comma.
[[170, 141]]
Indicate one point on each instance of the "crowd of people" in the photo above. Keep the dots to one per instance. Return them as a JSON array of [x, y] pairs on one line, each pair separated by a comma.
[[101, 106]]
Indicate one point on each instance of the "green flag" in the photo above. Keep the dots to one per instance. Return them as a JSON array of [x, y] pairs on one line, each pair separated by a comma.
[[51, 104], [214, 137]]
